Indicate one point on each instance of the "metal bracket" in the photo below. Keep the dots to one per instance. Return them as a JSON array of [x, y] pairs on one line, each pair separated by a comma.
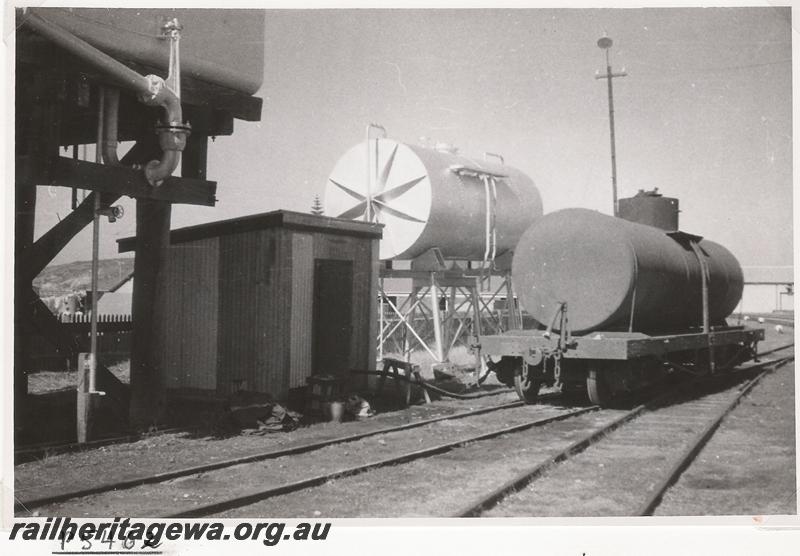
[[472, 172]]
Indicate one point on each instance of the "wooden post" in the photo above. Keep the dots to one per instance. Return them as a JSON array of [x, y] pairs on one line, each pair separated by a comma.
[[23, 239], [374, 325], [147, 386], [33, 141], [148, 393], [418, 378], [84, 413]]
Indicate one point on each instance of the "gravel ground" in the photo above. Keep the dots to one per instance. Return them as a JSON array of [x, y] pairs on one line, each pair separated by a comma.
[[68, 472], [748, 467], [438, 486], [615, 476], [186, 492]]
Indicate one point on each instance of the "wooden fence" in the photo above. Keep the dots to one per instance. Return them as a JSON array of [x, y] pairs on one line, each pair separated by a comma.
[[113, 341]]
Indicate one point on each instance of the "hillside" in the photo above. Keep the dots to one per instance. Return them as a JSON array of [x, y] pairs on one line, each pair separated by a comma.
[[66, 278]]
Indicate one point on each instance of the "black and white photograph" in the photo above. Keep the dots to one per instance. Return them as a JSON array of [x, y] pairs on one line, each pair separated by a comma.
[[273, 268]]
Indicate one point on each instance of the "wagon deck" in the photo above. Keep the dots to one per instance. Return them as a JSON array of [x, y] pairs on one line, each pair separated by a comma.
[[613, 345]]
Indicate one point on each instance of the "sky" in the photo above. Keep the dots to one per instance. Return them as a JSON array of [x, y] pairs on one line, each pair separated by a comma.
[[704, 114]]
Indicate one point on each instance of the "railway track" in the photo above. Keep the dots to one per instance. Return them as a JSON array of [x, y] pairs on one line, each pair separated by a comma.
[[559, 443], [233, 485], [776, 350], [30, 504], [218, 507], [695, 420], [227, 505]]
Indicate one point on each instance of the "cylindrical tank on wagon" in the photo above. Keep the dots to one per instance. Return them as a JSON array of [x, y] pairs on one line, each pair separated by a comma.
[[428, 198], [220, 47], [603, 266]]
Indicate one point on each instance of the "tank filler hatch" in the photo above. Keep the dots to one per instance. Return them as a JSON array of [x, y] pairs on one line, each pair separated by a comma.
[[652, 209]]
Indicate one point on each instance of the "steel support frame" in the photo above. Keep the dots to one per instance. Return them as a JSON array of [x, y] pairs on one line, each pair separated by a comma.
[[417, 320]]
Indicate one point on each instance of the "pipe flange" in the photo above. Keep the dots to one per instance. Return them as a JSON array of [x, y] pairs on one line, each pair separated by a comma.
[[176, 127], [172, 137]]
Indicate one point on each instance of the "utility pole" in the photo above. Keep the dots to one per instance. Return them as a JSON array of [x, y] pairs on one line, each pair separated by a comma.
[[605, 44]]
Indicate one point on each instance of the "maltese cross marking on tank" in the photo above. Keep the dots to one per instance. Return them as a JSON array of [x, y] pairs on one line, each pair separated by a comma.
[[379, 198]]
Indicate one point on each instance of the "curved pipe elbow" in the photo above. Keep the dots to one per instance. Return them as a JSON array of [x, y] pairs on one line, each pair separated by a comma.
[[171, 135], [157, 171]]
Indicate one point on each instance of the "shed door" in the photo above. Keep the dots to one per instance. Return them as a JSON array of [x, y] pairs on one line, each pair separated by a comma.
[[333, 296]]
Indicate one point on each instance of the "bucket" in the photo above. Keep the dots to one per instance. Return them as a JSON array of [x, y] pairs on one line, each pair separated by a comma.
[[334, 411]]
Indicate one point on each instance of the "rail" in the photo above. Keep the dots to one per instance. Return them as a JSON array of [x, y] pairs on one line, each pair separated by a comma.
[[493, 498], [28, 505], [236, 502]]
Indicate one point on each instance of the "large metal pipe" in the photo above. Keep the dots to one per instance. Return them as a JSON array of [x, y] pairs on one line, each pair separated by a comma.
[[82, 49], [616, 275], [110, 98], [152, 91]]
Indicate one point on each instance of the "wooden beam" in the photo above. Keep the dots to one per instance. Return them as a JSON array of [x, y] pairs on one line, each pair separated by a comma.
[[194, 161], [48, 326], [54, 240], [120, 180]]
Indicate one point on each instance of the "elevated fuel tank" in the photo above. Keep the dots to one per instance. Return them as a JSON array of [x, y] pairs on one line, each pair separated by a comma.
[[428, 198], [606, 268], [220, 47]]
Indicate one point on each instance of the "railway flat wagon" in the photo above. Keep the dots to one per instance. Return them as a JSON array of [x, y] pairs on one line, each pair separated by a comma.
[[262, 302], [619, 304]]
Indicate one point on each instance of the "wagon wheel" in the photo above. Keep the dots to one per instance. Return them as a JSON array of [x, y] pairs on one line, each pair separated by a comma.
[[597, 387], [526, 386]]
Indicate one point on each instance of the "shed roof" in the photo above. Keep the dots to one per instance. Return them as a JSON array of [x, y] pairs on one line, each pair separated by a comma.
[[275, 219]]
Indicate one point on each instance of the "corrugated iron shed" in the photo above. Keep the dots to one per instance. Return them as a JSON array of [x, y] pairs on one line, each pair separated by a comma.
[[261, 303]]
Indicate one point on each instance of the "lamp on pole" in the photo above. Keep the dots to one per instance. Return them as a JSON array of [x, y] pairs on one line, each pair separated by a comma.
[[605, 44]]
